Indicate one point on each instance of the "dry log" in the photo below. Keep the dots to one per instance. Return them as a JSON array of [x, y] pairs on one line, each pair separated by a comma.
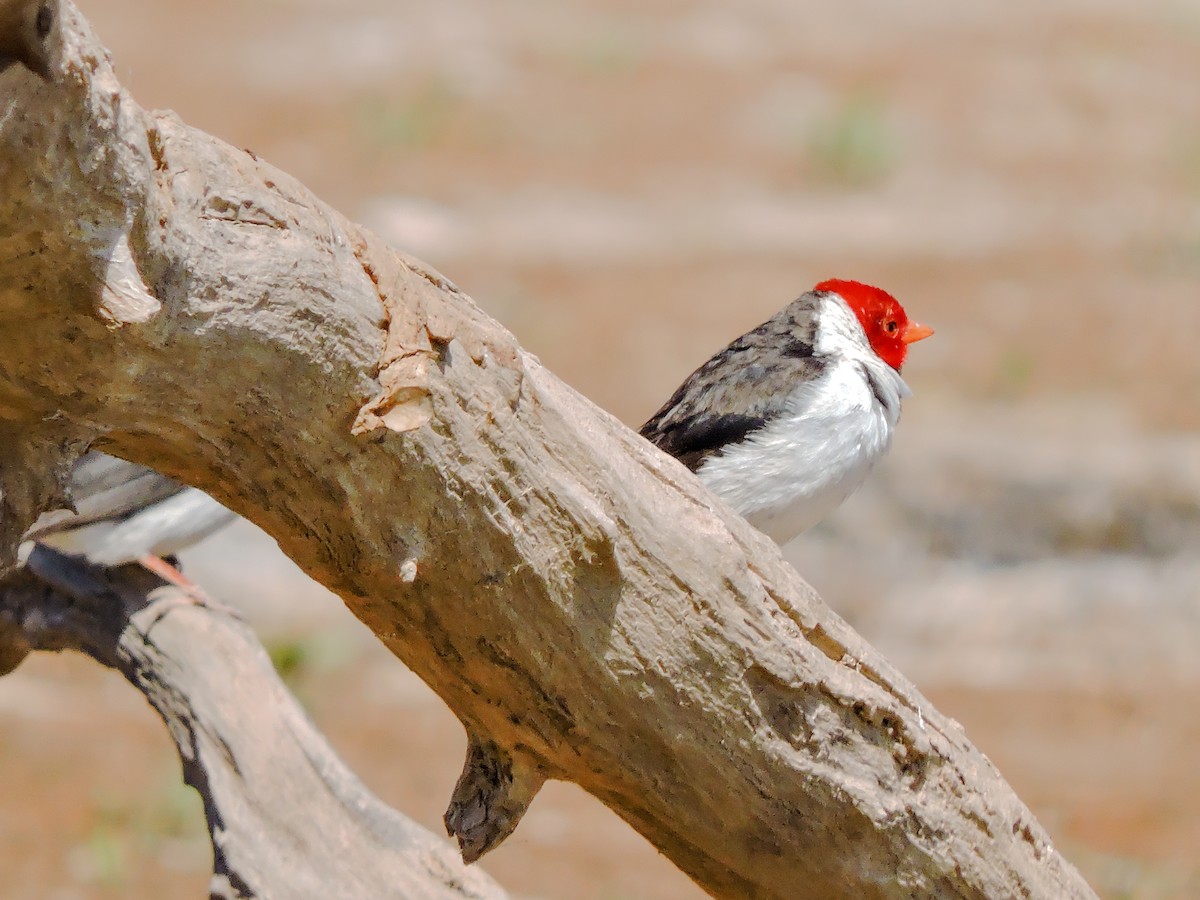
[[285, 815], [588, 610]]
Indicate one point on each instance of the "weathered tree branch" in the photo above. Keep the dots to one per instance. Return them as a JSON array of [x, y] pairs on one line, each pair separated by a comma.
[[588, 610], [284, 813]]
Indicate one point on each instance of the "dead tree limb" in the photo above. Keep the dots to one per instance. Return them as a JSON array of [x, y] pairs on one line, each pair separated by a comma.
[[588, 610], [284, 813]]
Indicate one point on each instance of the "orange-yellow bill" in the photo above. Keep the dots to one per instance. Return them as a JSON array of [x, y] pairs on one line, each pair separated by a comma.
[[914, 332]]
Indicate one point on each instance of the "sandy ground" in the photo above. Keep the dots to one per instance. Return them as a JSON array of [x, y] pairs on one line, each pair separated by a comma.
[[627, 186]]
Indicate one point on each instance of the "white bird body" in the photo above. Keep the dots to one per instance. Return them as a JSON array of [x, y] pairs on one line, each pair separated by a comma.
[[788, 420], [795, 471]]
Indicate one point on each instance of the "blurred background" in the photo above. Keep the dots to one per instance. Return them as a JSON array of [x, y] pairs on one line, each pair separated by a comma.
[[628, 186]]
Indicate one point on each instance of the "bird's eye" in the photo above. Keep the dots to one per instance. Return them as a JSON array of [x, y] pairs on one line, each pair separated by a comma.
[[891, 326]]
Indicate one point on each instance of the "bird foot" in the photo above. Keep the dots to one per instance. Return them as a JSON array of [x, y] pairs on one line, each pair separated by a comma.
[[196, 595]]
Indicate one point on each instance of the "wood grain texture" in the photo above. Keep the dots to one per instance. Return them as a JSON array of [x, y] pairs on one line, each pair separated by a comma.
[[588, 610]]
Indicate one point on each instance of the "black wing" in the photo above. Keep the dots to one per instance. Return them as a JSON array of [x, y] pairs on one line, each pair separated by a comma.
[[740, 389]]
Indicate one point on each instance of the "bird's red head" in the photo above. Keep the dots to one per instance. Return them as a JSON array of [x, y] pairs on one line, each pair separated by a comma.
[[884, 320]]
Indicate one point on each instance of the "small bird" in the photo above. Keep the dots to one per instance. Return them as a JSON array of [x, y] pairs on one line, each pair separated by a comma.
[[787, 421], [128, 513], [24, 27]]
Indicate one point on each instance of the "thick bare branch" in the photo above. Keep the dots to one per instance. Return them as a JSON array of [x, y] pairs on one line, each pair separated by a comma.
[[285, 814], [586, 608]]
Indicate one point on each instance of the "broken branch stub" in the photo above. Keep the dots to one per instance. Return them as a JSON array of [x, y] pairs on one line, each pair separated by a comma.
[[491, 796], [578, 599]]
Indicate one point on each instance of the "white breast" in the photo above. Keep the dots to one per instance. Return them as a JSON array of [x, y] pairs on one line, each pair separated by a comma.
[[794, 471]]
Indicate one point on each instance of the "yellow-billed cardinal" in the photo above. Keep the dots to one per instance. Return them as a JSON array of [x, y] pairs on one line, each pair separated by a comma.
[[128, 513], [786, 422]]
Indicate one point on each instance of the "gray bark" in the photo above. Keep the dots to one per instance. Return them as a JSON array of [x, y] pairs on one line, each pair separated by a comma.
[[588, 610], [285, 815]]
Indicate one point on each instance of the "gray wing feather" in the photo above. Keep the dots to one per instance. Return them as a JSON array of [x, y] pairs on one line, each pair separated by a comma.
[[103, 487], [125, 511], [739, 389]]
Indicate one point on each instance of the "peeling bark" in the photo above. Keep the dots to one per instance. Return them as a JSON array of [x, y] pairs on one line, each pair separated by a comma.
[[579, 600]]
